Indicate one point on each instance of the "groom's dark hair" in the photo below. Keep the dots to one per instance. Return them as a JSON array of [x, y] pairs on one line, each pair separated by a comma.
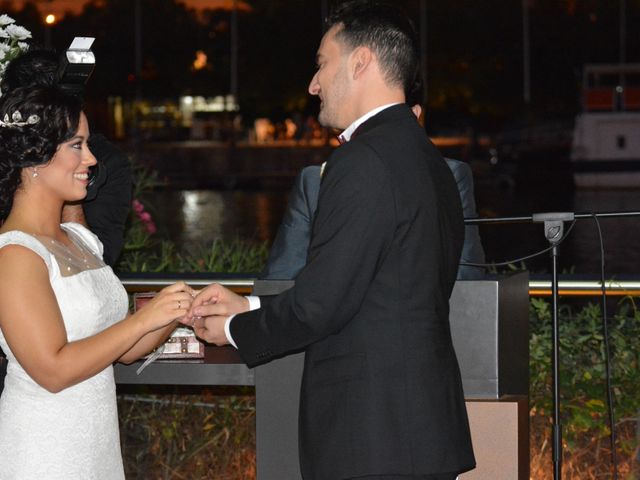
[[386, 30]]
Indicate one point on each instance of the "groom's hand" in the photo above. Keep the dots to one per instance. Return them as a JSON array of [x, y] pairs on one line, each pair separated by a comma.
[[216, 300], [210, 310], [211, 329]]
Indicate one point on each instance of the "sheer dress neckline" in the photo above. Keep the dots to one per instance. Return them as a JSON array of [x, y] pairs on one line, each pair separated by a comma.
[[74, 259]]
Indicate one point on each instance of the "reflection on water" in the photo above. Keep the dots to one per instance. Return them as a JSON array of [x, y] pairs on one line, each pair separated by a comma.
[[581, 250], [196, 216], [620, 241]]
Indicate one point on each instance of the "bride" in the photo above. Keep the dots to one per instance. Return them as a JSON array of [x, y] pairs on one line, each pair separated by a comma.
[[64, 314]]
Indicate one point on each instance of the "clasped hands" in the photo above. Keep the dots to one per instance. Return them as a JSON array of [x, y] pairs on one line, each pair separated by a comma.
[[209, 312]]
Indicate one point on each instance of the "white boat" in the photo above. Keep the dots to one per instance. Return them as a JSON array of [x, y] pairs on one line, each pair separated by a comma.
[[605, 150]]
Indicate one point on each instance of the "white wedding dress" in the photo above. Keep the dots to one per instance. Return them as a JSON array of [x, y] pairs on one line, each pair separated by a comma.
[[72, 434]]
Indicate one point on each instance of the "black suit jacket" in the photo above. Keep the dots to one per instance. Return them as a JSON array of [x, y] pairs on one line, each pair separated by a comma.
[[107, 208], [381, 389], [288, 253]]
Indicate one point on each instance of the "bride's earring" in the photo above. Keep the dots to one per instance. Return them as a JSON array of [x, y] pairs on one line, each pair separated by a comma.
[[35, 172]]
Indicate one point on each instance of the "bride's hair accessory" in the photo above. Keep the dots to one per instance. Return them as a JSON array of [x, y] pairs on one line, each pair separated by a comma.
[[16, 120]]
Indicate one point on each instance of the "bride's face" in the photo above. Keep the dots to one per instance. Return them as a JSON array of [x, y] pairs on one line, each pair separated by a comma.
[[67, 174]]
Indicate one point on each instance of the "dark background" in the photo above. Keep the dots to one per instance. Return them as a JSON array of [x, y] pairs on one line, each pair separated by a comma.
[[474, 53]]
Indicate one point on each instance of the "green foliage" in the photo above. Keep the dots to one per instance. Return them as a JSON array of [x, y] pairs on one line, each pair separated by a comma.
[[227, 256], [143, 252], [184, 433], [507, 269], [231, 256], [582, 380], [145, 179]]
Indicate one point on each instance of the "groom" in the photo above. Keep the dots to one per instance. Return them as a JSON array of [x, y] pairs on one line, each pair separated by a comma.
[[381, 394]]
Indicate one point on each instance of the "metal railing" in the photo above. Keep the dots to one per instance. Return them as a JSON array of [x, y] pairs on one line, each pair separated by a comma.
[[150, 283], [244, 284], [585, 288]]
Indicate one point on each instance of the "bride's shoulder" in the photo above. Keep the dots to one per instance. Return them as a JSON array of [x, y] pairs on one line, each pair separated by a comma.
[[27, 244], [18, 237]]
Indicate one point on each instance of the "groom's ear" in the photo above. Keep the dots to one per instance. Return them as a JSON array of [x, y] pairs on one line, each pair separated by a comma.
[[361, 59]]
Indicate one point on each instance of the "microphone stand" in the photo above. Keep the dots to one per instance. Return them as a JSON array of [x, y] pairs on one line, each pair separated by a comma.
[[553, 232], [530, 218]]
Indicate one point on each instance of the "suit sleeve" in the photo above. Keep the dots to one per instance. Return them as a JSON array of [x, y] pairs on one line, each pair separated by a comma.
[[107, 213], [353, 229], [472, 250], [288, 254]]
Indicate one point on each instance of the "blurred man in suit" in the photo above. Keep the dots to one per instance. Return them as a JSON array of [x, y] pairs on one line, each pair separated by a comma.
[[381, 394]]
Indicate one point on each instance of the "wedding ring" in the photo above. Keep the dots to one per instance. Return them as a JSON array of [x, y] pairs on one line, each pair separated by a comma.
[[179, 305]]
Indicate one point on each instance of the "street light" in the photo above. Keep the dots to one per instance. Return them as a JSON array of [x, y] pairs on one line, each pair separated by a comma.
[[49, 21]]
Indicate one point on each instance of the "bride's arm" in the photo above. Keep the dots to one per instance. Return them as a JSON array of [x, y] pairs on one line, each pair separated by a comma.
[[147, 343], [32, 324]]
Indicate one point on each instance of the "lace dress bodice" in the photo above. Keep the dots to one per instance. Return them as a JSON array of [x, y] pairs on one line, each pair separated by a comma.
[[72, 434]]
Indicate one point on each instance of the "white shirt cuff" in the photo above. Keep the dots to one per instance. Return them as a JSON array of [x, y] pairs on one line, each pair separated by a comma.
[[254, 304], [227, 331]]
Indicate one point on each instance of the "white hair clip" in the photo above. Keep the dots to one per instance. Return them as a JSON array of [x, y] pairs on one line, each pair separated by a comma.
[[16, 120]]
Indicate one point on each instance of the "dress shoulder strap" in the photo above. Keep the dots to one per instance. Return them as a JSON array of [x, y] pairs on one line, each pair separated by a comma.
[[16, 237]]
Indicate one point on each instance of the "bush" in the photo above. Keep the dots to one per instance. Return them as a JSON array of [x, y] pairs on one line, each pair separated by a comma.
[[188, 433], [583, 404]]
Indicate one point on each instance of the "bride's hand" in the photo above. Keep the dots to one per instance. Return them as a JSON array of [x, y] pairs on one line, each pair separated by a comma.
[[169, 304]]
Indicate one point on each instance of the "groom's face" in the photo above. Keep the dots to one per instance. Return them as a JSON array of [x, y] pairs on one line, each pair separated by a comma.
[[331, 82]]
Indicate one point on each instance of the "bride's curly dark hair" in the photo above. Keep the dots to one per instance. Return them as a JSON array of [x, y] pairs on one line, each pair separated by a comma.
[[29, 145]]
